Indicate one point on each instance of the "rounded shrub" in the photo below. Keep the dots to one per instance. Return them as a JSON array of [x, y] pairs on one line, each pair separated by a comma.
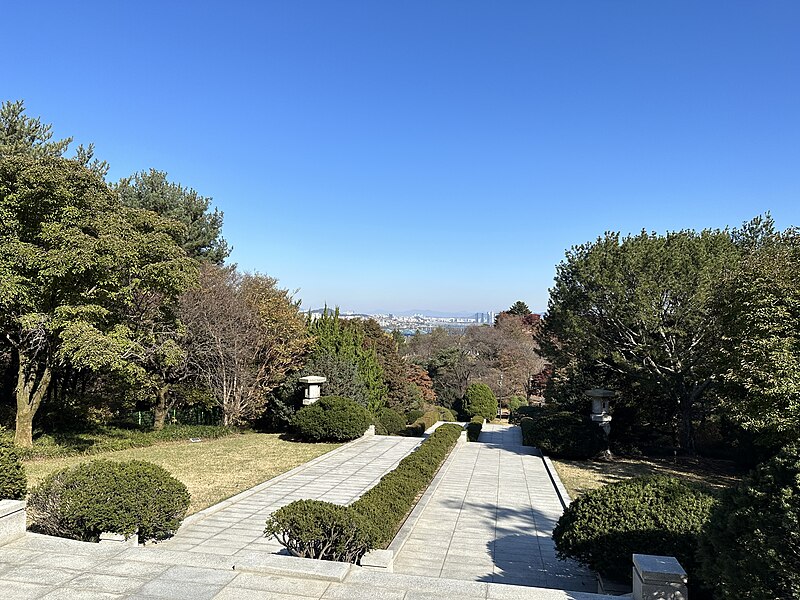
[[515, 402], [13, 482], [749, 549], [413, 415], [391, 421], [121, 497], [480, 401], [445, 414], [563, 434], [644, 515], [332, 418]]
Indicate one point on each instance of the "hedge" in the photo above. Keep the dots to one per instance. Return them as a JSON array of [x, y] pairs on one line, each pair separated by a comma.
[[644, 515], [389, 422], [314, 529], [474, 428], [749, 549], [563, 435], [121, 497], [13, 482], [425, 422], [332, 418], [521, 412]]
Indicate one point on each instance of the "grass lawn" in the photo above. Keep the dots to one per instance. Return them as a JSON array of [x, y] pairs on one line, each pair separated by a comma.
[[581, 476], [213, 469]]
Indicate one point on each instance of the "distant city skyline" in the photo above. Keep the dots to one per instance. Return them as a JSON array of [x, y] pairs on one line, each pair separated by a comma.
[[441, 155]]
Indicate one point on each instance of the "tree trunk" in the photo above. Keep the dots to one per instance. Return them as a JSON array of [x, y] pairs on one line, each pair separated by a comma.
[[32, 384], [162, 408]]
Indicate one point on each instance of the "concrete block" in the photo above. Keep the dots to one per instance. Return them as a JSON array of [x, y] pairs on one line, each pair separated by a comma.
[[380, 560], [658, 578], [12, 520]]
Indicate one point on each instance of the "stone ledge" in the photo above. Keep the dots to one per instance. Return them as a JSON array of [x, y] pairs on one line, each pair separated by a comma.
[[380, 560], [660, 577], [293, 566], [13, 520]]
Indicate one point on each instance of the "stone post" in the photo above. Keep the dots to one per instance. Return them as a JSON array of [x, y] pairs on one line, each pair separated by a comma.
[[12, 520], [658, 578]]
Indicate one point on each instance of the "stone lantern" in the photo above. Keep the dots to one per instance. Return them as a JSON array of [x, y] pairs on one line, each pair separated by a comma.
[[312, 385], [601, 405]]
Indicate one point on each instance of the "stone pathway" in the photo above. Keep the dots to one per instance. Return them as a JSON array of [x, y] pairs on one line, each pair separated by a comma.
[[491, 519], [237, 525]]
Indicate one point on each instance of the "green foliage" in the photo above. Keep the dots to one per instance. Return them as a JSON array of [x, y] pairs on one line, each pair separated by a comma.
[[321, 530], [474, 428], [331, 418], [445, 414], [521, 412], [201, 234], [391, 421], [749, 549], [13, 482], [413, 415], [563, 434], [110, 439], [637, 310], [315, 529], [480, 400], [646, 515], [515, 402], [758, 309], [519, 308], [422, 424], [119, 497]]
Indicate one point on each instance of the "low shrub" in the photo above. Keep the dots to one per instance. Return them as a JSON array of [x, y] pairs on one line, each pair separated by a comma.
[[480, 401], [13, 482], [644, 515], [391, 422], [563, 434], [425, 422], [516, 402], [331, 418], [474, 428], [749, 549], [521, 412], [321, 530], [413, 415], [445, 414], [327, 531], [121, 497]]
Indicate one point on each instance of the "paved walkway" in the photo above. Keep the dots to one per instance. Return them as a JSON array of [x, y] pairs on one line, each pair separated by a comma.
[[491, 519], [237, 525], [38, 567]]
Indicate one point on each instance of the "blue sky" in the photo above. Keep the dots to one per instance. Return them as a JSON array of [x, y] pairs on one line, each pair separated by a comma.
[[423, 154]]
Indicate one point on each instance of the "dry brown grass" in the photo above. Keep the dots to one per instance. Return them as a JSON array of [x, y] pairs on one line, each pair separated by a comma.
[[581, 476], [212, 470]]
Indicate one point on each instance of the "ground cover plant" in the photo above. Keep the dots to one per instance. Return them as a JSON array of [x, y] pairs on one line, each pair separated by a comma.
[[119, 497], [102, 439], [212, 470], [314, 529], [652, 515]]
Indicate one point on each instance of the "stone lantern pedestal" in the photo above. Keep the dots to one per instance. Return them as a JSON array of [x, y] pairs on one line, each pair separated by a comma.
[[313, 386], [601, 405]]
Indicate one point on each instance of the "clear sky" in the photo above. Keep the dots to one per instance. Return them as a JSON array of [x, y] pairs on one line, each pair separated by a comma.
[[428, 154]]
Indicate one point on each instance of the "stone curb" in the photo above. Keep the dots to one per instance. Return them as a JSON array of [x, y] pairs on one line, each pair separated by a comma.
[[207, 512], [294, 566], [563, 495]]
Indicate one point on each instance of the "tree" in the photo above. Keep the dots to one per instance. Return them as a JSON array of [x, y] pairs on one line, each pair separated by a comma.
[[758, 311], [20, 134], [245, 335], [480, 401], [70, 255], [637, 309], [519, 308], [201, 235]]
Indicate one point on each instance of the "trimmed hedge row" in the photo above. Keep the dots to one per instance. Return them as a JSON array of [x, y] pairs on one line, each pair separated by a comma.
[[563, 434], [314, 529], [474, 428], [421, 425], [121, 497], [13, 482], [644, 515]]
